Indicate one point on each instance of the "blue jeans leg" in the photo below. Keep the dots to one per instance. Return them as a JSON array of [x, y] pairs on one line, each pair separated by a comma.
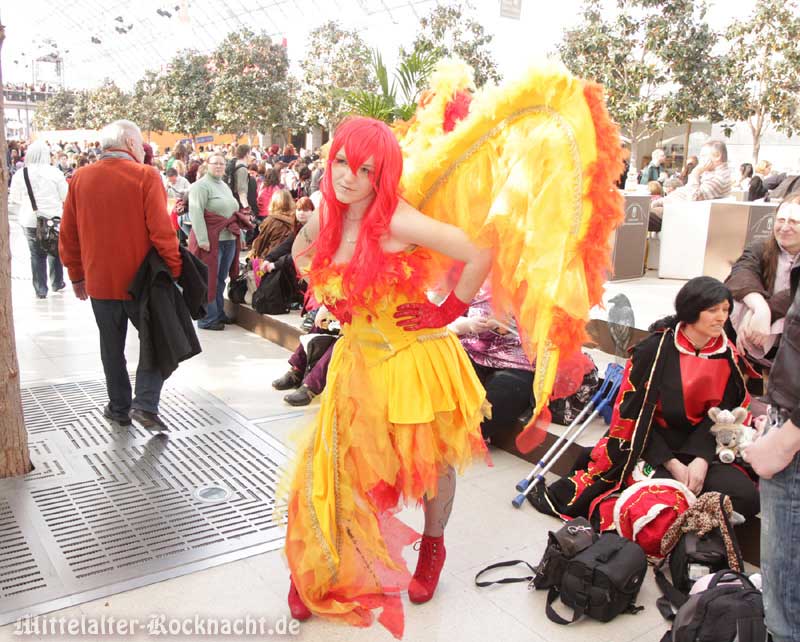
[[216, 308], [56, 272], [780, 563], [38, 262]]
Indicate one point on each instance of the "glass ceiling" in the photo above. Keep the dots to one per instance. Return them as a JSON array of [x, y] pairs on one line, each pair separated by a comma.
[[121, 40]]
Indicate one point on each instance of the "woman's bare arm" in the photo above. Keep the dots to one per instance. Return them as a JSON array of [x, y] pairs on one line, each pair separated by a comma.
[[414, 228], [303, 241]]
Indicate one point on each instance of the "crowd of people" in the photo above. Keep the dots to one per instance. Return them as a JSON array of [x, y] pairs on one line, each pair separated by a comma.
[[279, 172], [240, 207], [25, 86], [704, 178], [28, 91]]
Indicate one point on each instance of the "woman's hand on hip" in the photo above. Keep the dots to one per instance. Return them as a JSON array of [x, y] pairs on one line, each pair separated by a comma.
[[417, 316]]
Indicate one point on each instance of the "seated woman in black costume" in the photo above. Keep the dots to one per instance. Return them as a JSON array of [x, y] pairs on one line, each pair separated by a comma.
[[660, 426]]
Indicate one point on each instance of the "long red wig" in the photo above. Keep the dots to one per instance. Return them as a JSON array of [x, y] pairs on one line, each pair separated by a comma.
[[362, 139]]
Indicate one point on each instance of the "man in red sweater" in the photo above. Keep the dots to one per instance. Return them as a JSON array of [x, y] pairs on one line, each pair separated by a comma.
[[116, 210]]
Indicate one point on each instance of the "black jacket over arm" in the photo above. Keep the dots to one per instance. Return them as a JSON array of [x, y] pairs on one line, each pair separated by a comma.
[[166, 332]]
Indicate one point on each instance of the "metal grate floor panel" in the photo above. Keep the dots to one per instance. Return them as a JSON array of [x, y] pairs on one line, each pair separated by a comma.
[[110, 508]]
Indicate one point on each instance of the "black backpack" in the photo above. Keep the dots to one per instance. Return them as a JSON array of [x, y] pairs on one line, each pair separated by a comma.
[[278, 289], [252, 187], [575, 536], [695, 556], [598, 577], [230, 174], [601, 581], [721, 613], [572, 538]]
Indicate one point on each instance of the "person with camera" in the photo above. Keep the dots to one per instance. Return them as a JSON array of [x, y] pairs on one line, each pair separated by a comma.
[[37, 197]]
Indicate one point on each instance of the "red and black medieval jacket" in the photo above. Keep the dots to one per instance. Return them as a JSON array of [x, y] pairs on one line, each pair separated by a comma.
[[660, 413]]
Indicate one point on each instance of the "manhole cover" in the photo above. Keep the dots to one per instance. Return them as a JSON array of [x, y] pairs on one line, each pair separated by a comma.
[[212, 494]]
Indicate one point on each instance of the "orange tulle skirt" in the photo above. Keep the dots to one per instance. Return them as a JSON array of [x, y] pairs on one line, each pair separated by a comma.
[[398, 408]]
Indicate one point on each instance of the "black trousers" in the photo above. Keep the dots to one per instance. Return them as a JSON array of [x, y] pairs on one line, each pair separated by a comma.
[[112, 318], [509, 392], [728, 479]]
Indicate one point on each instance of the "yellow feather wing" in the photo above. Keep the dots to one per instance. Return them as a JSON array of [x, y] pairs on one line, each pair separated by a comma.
[[524, 173]]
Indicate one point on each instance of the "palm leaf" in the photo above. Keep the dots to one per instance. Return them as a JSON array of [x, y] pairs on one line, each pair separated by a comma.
[[413, 72], [373, 105], [382, 74]]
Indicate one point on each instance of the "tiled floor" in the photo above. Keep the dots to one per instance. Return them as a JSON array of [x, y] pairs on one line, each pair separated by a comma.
[[57, 339]]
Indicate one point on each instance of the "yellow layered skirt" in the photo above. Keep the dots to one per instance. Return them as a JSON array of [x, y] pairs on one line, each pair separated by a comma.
[[398, 408]]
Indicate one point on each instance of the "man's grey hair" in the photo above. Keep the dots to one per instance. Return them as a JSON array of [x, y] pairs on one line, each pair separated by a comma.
[[114, 134], [718, 147]]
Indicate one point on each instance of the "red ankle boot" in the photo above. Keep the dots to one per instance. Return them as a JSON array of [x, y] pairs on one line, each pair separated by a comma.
[[299, 610], [429, 566]]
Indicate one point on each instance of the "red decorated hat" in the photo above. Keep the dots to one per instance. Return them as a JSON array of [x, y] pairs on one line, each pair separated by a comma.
[[646, 509]]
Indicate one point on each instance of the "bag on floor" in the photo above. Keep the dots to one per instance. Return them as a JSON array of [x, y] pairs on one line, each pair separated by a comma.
[[572, 538], [699, 542], [646, 510], [237, 289], [601, 581], [595, 576], [731, 608]]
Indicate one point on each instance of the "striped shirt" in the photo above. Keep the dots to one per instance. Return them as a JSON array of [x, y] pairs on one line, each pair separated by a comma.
[[706, 186]]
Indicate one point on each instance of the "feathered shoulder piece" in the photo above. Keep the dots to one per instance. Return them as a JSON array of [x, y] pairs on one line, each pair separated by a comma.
[[528, 168]]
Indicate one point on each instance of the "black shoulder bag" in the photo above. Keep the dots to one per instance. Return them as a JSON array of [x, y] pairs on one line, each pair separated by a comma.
[[573, 537], [601, 581], [46, 228]]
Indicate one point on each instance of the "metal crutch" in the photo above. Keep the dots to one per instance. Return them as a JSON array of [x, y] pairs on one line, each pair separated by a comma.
[[602, 398], [601, 392]]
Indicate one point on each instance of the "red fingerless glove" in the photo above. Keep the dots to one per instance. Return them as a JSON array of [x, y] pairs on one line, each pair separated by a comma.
[[416, 316]]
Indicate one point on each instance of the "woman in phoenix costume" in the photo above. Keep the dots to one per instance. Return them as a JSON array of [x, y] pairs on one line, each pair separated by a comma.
[[519, 179]]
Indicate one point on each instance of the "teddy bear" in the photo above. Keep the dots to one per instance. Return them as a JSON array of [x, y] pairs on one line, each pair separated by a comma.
[[326, 322], [730, 432]]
